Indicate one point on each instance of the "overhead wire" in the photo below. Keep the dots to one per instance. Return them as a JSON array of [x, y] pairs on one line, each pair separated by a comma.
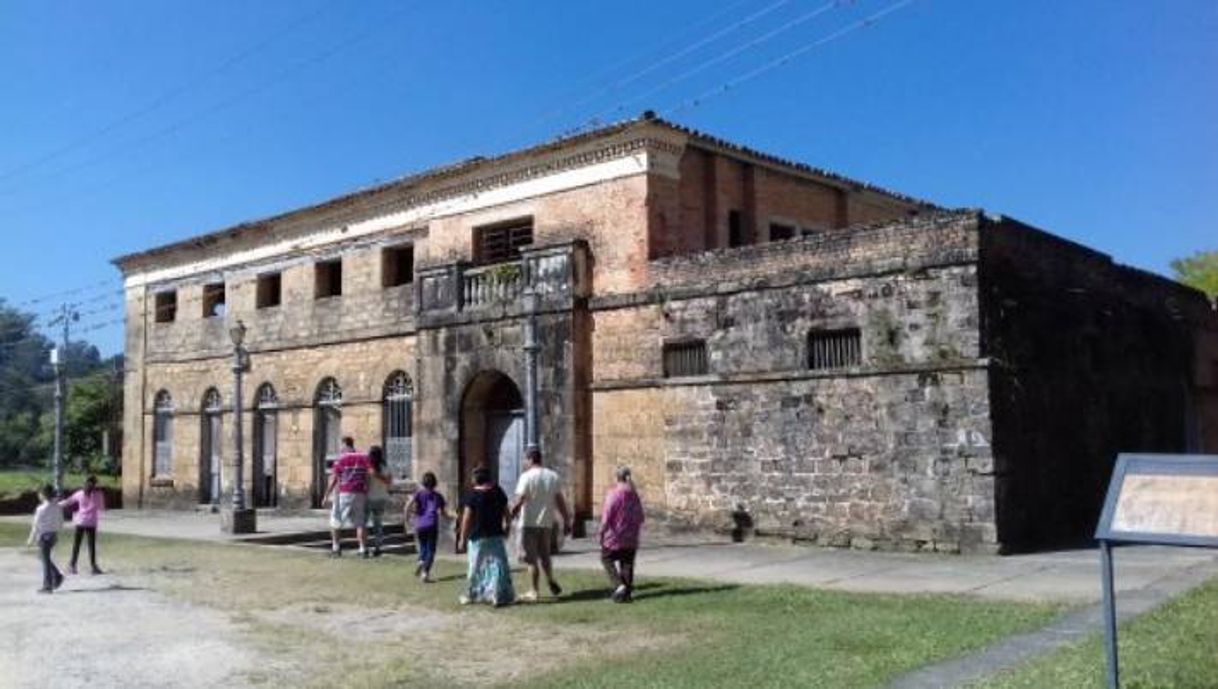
[[167, 96], [266, 84], [723, 88], [562, 110], [727, 55]]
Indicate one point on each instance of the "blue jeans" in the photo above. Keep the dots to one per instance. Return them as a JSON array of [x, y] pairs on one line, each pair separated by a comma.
[[376, 517], [426, 538], [51, 576]]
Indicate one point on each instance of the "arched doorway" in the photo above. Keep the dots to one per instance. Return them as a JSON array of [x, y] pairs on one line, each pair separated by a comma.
[[210, 445], [327, 433], [492, 428], [266, 436]]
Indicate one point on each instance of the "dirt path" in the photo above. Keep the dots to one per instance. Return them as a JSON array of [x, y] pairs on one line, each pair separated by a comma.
[[107, 632]]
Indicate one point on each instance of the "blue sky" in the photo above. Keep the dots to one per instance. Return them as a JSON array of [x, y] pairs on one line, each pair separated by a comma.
[[132, 123]]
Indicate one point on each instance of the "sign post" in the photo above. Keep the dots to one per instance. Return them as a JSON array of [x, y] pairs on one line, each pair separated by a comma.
[[1154, 500]]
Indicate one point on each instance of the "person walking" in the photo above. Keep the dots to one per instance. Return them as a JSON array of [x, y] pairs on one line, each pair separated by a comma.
[[538, 493], [483, 526], [48, 520], [379, 481], [621, 521], [427, 505], [350, 477], [90, 502]]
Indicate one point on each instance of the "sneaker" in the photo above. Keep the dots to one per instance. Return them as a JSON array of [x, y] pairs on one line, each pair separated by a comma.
[[620, 593], [365, 554], [71, 569], [555, 589], [96, 570], [528, 597], [334, 552], [376, 552], [464, 600], [427, 578], [43, 591], [418, 570]]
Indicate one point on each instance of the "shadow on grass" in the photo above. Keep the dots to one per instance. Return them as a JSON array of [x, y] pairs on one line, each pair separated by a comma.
[[643, 591], [112, 588]]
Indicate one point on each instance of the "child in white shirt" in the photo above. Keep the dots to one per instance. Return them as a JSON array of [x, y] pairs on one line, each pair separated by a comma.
[[48, 520]]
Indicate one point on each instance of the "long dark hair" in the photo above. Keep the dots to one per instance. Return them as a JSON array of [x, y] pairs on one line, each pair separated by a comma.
[[377, 456]]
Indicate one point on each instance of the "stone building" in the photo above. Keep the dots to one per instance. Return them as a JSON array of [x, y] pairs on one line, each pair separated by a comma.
[[772, 347]]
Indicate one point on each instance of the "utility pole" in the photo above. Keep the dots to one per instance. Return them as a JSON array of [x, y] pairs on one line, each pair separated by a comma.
[[67, 314]]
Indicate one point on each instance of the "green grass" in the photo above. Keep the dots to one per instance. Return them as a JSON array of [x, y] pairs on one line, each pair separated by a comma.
[[14, 482], [1174, 646], [679, 633]]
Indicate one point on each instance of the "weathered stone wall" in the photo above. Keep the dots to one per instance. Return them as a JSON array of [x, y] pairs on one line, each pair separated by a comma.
[[1090, 359], [893, 453], [360, 368]]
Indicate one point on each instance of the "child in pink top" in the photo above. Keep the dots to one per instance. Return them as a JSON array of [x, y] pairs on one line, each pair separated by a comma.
[[621, 521], [90, 502]]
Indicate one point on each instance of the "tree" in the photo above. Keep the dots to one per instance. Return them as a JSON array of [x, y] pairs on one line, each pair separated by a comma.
[[1199, 271], [27, 389]]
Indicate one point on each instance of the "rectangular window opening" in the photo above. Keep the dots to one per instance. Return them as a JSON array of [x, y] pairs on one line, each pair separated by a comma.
[[780, 232], [498, 243], [213, 300], [685, 358], [735, 229], [328, 279], [166, 304], [829, 349], [270, 290], [397, 266]]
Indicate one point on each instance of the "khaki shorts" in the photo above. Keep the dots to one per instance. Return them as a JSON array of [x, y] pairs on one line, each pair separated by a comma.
[[535, 541], [348, 510]]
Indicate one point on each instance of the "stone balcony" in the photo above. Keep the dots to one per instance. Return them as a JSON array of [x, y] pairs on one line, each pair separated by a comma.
[[464, 292]]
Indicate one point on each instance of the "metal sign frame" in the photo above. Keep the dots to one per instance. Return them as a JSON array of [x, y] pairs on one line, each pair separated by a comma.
[[1141, 465]]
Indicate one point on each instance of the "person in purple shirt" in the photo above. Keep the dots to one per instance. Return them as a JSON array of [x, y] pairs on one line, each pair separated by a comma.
[[621, 521], [90, 502], [427, 506]]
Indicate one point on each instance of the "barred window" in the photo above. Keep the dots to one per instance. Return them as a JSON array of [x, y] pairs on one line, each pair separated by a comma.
[[685, 358], [502, 242], [162, 434], [829, 349], [398, 394]]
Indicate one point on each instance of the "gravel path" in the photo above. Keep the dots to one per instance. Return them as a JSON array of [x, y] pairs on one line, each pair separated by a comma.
[[107, 632]]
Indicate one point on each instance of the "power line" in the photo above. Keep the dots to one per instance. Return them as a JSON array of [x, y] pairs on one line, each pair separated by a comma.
[[264, 85], [783, 60], [723, 57], [622, 63], [165, 97]]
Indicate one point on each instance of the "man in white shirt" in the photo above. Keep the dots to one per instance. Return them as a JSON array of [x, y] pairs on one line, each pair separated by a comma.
[[538, 493]]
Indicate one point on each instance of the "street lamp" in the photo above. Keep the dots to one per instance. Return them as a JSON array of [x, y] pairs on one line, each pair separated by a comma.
[[531, 347], [241, 519]]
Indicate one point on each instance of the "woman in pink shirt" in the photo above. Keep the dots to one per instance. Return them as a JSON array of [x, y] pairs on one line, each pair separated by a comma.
[[90, 503], [621, 520]]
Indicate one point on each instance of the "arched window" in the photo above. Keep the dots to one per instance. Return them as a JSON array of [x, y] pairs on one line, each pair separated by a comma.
[[327, 433], [266, 445], [397, 432], [162, 434], [211, 445]]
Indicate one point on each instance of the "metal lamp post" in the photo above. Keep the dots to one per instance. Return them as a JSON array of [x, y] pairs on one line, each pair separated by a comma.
[[531, 347], [240, 519]]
